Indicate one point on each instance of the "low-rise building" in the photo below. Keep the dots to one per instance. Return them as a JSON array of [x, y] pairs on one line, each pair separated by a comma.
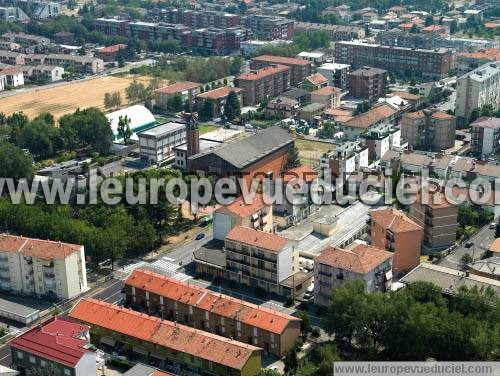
[[13, 76], [314, 82], [314, 57], [218, 98], [328, 95], [310, 111], [156, 145], [337, 74], [368, 83], [380, 114], [174, 346], [336, 32], [41, 267], [283, 106], [11, 58], [188, 304], [187, 90], [485, 137], [111, 53], [358, 261]]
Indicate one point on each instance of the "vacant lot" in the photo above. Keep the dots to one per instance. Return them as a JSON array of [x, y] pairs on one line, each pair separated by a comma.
[[66, 98], [311, 151]]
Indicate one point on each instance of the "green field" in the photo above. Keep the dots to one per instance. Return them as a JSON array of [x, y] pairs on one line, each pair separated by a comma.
[[205, 128]]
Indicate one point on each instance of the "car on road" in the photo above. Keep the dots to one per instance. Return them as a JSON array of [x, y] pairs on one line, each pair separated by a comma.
[[200, 236], [308, 295], [469, 244], [493, 226]]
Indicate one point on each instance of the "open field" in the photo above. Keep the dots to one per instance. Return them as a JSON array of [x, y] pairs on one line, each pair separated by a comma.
[[66, 98], [311, 151]]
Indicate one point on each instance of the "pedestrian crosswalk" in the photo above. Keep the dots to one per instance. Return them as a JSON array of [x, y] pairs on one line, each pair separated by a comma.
[[167, 267]]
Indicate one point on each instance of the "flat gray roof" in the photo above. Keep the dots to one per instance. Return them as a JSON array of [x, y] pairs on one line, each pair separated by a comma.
[[16, 308], [163, 129]]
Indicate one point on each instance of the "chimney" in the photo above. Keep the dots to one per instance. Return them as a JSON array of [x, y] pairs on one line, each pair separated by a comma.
[[192, 137]]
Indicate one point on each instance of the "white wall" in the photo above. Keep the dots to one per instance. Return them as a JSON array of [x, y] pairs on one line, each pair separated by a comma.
[[222, 225]]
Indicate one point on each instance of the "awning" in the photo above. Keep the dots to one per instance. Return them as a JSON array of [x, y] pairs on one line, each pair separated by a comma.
[[108, 341]]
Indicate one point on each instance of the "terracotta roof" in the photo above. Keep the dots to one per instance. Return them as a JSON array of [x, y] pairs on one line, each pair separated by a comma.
[[255, 238], [360, 258], [394, 220], [302, 172], [405, 95], [487, 122], [436, 200], [197, 343], [491, 54], [495, 246], [442, 115], [282, 60], [421, 114], [57, 340], [373, 116], [243, 209], [433, 28], [113, 48], [316, 79], [216, 303], [264, 72], [407, 25], [491, 25], [337, 112], [327, 90], [178, 87], [220, 92], [44, 249]]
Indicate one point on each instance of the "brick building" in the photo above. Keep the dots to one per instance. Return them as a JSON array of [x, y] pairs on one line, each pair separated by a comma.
[[264, 83], [218, 98], [300, 68], [186, 89], [273, 331], [368, 83], [267, 27], [336, 32]]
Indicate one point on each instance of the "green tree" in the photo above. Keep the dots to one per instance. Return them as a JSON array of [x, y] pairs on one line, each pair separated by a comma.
[[236, 65], [124, 131], [305, 324], [232, 108], [174, 103], [414, 29], [291, 361], [267, 372], [453, 27], [207, 110], [14, 163], [429, 20]]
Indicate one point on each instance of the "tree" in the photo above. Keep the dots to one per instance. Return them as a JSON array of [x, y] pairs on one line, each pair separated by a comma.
[[429, 20], [232, 108], [14, 163], [124, 131], [453, 27], [236, 65], [291, 361], [267, 372], [474, 115], [116, 99], [207, 110], [305, 324], [174, 103], [414, 29], [107, 100]]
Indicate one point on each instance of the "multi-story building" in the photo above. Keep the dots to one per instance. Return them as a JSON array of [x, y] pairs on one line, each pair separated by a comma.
[[268, 27], [57, 343], [393, 231], [41, 267], [344, 160], [381, 138], [255, 214], [85, 64], [188, 304], [11, 58], [218, 98], [13, 14], [476, 89], [186, 89], [175, 347], [300, 68], [259, 259], [434, 64], [437, 217], [111, 26], [45, 9], [380, 114], [337, 74], [336, 32], [368, 83], [156, 144], [428, 130], [264, 83], [314, 82], [14, 76], [196, 19], [468, 61], [358, 261], [485, 138], [283, 106]]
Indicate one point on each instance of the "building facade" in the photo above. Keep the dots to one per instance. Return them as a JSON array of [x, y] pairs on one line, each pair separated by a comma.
[[427, 130], [156, 144], [299, 68], [485, 136], [186, 89], [218, 99], [337, 74], [368, 83], [264, 83]]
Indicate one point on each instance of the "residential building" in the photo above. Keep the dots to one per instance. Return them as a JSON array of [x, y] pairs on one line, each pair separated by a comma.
[[251, 47], [197, 19], [300, 95], [186, 89], [379, 114], [156, 145], [337, 74], [141, 369], [57, 343], [393, 231], [256, 214], [485, 136], [218, 99], [13, 14], [260, 259], [437, 217], [428, 130], [212, 312], [358, 261], [469, 169], [269, 27], [11, 58], [42, 73], [344, 160], [368, 83], [299, 69], [328, 95], [311, 111], [314, 82], [14, 76], [433, 64], [26, 40], [111, 53], [175, 347], [283, 106], [476, 89], [43, 10], [337, 32], [316, 58], [41, 267], [84, 64], [381, 138], [264, 83], [111, 26], [468, 61]]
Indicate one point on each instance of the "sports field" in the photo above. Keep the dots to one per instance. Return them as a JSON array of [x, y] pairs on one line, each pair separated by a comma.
[[66, 98]]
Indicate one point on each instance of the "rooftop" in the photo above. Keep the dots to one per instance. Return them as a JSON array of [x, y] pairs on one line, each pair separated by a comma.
[[487, 122], [244, 209], [371, 117], [44, 249], [302, 172], [220, 92], [197, 343], [282, 60], [368, 71], [327, 90], [316, 79], [144, 370], [264, 72], [163, 129], [113, 48], [256, 238], [394, 220], [178, 87]]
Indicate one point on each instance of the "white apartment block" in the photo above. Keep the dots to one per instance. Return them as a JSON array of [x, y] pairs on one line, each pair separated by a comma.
[[476, 89], [41, 267], [345, 160], [156, 144]]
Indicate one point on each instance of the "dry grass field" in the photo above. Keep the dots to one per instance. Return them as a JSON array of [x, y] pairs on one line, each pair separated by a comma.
[[66, 98]]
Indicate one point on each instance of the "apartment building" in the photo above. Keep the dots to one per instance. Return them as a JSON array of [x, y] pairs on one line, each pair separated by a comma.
[[13, 14], [344, 160], [174, 347], [392, 230], [186, 89], [432, 64], [196, 19], [437, 217], [79, 63], [476, 89], [314, 82], [468, 61], [25, 40], [299, 68], [111, 53], [358, 261], [259, 259], [217, 41], [42, 73], [337, 74], [381, 138], [188, 304], [485, 136], [156, 144], [368, 83], [218, 98], [13, 76], [41, 267], [57, 343], [267, 27], [428, 130], [336, 32], [354, 126], [329, 96], [264, 83], [111, 26], [255, 214], [11, 58]]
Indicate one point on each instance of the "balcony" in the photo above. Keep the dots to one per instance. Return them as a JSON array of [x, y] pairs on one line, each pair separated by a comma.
[[4, 268], [4, 258], [49, 275], [50, 284], [4, 278]]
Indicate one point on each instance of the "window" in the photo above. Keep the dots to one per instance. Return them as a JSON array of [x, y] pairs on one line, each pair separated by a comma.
[[67, 372], [20, 355], [32, 359], [43, 363]]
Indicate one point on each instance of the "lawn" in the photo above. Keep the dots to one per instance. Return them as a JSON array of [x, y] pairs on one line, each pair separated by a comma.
[[205, 128]]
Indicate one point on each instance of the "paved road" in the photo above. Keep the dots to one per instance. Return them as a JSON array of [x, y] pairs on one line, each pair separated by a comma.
[[183, 254]]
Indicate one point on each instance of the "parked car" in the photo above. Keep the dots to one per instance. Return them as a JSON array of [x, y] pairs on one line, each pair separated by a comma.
[[493, 226], [469, 244], [200, 236]]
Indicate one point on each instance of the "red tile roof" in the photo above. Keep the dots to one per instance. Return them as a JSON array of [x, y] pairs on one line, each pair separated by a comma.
[[178, 87], [44, 249], [359, 259], [282, 60], [220, 92], [491, 54], [216, 303], [394, 220], [243, 209], [113, 48], [197, 343], [255, 238], [327, 90], [57, 340], [495, 246], [264, 72], [317, 79], [371, 117]]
